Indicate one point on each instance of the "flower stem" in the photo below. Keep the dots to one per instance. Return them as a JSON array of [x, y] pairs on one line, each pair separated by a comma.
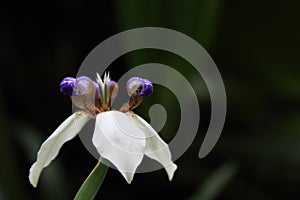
[[92, 183]]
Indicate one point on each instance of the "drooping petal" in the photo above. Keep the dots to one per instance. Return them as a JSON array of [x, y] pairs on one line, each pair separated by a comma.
[[119, 140], [50, 148], [156, 148]]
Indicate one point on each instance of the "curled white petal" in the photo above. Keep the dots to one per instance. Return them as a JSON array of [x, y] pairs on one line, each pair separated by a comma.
[[50, 148], [156, 148], [119, 140]]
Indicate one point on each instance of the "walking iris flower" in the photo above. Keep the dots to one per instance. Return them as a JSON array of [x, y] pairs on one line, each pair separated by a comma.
[[120, 136]]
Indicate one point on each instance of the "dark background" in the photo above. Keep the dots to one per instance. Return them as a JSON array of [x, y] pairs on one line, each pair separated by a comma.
[[255, 45]]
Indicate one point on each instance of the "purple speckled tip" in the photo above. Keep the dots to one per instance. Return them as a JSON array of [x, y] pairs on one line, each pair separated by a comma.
[[66, 85], [112, 83], [142, 87], [70, 86]]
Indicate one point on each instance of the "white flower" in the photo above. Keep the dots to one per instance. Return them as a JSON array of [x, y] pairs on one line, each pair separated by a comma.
[[50, 148], [123, 138]]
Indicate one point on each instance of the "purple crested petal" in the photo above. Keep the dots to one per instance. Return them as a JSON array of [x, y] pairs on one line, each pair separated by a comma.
[[146, 90], [140, 86], [83, 85], [66, 85]]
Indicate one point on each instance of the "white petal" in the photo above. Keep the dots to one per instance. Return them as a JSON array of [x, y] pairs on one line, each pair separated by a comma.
[[50, 148], [156, 148], [119, 140]]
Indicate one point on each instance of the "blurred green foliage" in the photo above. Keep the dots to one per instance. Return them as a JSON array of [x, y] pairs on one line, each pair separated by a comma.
[[255, 44]]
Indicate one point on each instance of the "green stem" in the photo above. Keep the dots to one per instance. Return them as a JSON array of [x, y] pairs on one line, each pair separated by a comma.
[[92, 183]]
